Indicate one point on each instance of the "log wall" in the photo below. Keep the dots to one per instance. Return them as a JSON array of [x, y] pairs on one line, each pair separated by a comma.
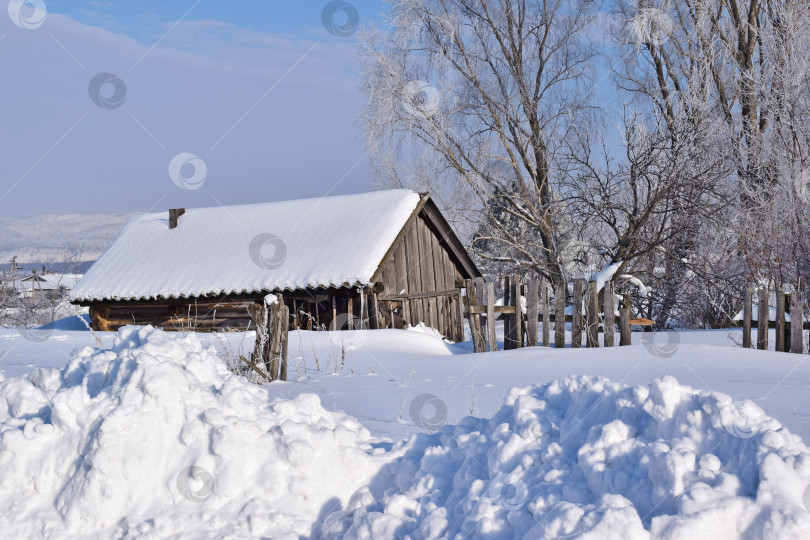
[[202, 316]]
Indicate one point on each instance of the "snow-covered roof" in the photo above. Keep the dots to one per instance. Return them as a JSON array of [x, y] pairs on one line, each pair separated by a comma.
[[48, 282], [322, 242]]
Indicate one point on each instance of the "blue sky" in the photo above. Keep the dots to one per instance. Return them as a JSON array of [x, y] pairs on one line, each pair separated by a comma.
[[146, 19], [259, 91]]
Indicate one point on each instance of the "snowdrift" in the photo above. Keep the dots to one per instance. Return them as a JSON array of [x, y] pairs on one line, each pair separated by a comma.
[[155, 438], [588, 458]]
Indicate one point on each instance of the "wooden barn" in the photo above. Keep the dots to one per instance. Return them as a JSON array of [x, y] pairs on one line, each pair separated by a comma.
[[385, 259]]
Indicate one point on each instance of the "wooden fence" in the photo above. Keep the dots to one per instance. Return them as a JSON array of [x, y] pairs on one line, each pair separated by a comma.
[[269, 358], [482, 308], [789, 335]]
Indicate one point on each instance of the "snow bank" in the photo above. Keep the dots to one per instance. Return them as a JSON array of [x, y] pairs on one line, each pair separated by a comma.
[[588, 458], [155, 438]]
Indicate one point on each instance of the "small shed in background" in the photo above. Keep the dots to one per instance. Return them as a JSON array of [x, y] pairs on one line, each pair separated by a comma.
[[46, 285], [384, 259]]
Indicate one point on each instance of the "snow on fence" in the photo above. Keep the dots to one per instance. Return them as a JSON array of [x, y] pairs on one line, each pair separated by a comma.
[[789, 310], [521, 323]]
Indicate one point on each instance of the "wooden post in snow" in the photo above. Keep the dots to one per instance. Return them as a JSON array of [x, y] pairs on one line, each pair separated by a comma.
[[364, 316], [478, 299], [796, 323], [609, 320], [374, 312], [272, 335], [559, 315], [787, 323], [472, 318], [624, 321], [507, 320], [260, 315], [517, 330], [491, 336], [748, 308], [763, 318], [461, 302], [576, 315], [480, 288], [531, 312], [780, 320], [349, 314], [284, 337], [546, 313], [275, 331], [592, 331]]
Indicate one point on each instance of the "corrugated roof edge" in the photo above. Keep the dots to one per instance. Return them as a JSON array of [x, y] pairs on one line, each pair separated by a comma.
[[213, 293]]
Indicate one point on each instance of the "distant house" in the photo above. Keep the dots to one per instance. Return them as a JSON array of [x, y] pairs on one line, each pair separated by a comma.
[[48, 285], [384, 259]]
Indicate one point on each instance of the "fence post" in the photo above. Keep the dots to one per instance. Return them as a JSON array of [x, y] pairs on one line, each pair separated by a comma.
[[576, 315], [507, 320], [472, 318], [559, 315], [517, 329], [796, 323], [609, 320], [780, 320], [624, 321], [763, 318], [748, 308], [531, 312], [544, 295], [372, 309], [365, 321], [491, 337], [787, 324], [546, 313], [275, 337], [592, 332], [285, 336], [480, 286], [260, 316]]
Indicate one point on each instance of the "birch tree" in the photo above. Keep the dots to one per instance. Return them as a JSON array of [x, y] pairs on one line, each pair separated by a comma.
[[468, 98], [744, 64]]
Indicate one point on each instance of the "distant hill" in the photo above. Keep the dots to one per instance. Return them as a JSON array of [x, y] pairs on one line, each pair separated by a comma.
[[59, 237]]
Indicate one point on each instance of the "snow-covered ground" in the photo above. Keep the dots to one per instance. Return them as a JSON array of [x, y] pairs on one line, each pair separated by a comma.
[[383, 434]]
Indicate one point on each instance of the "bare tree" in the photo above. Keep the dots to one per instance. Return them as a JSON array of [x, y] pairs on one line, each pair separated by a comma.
[[641, 209], [26, 299], [469, 95], [743, 65], [726, 57]]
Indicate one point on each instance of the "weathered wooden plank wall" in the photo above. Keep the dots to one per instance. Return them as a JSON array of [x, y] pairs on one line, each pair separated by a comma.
[[422, 264]]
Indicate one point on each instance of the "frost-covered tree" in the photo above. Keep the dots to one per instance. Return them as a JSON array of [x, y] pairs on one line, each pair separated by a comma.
[[743, 65], [466, 97], [488, 105]]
